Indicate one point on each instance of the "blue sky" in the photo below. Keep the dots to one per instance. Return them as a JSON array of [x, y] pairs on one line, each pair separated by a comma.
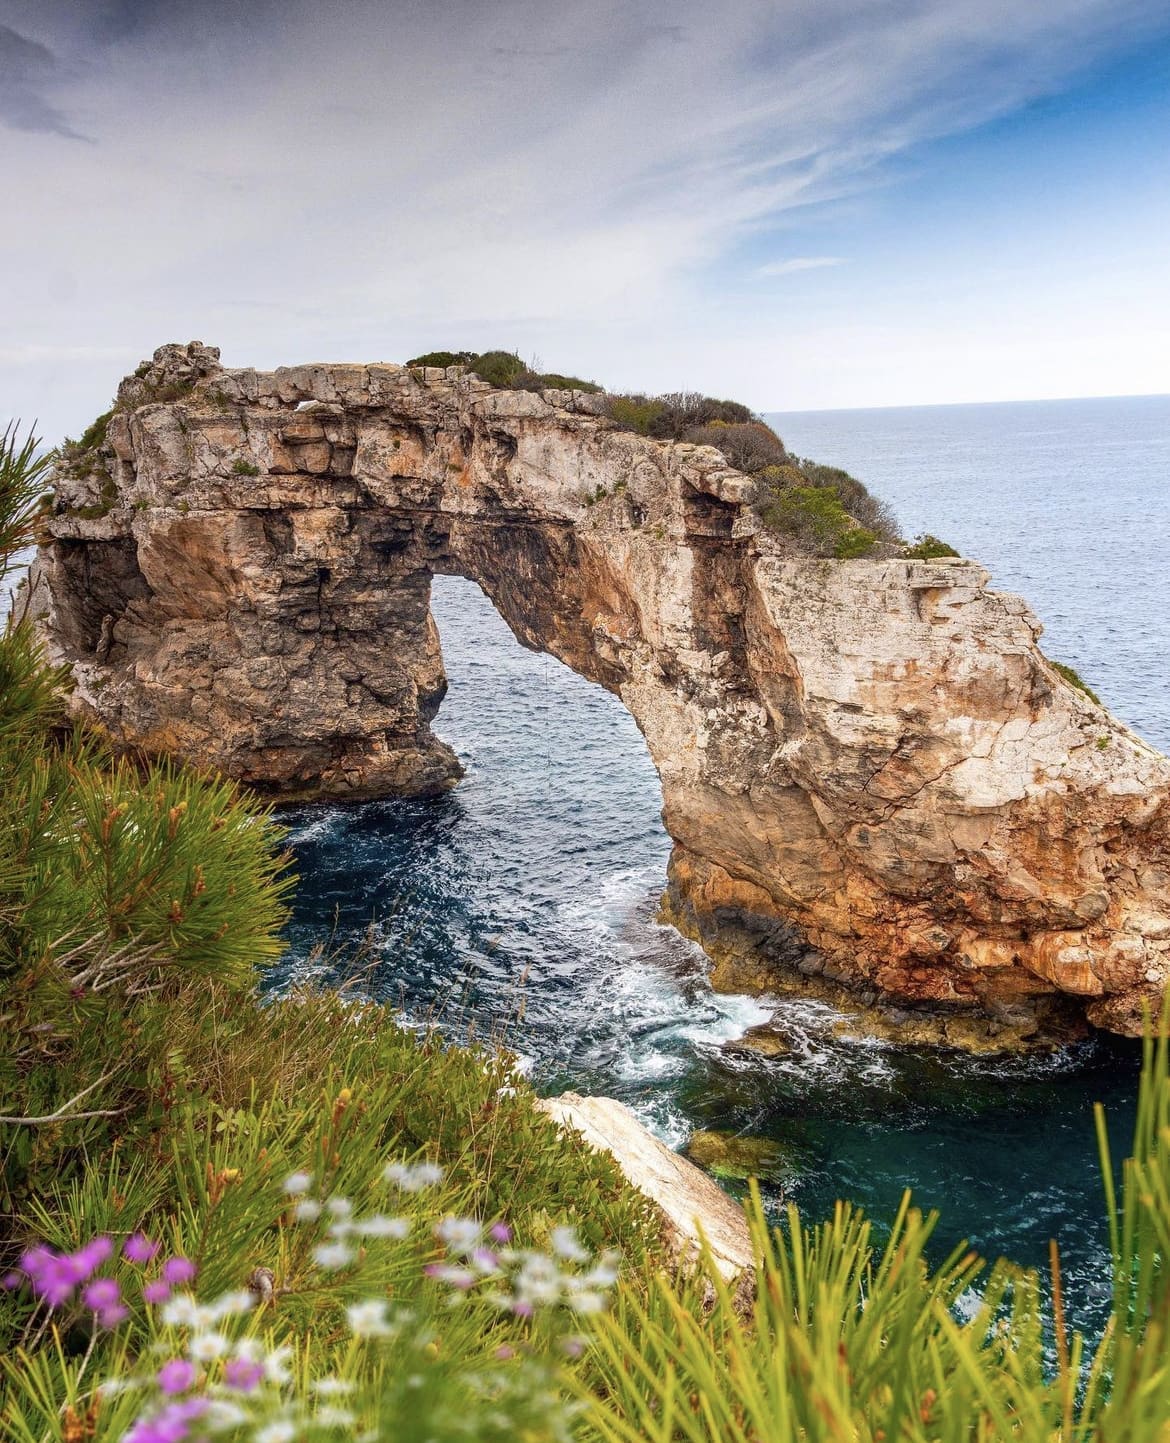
[[810, 204]]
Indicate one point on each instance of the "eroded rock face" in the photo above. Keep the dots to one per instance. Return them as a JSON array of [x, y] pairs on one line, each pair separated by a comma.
[[873, 778]]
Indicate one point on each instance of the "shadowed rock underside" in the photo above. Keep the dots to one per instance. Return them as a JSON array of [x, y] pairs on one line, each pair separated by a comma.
[[877, 786]]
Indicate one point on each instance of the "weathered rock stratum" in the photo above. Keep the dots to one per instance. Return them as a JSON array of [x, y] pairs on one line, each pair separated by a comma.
[[874, 779]]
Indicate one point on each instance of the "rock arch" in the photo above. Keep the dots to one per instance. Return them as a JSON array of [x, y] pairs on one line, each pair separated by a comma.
[[873, 778]]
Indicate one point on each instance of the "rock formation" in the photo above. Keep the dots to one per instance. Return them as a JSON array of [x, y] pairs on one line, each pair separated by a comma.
[[873, 777], [691, 1207]]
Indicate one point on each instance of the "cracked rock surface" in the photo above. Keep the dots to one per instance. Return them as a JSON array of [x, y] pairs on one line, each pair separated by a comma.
[[876, 784]]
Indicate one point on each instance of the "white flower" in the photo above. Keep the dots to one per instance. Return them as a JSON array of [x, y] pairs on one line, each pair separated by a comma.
[[333, 1255], [307, 1210], [280, 1430], [368, 1319], [462, 1235], [413, 1176], [566, 1245], [379, 1226], [228, 1305], [340, 1207], [587, 1302], [181, 1311], [276, 1365], [298, 1183], [220, 1414], [330, 1417], [331, 1387], [206, 1347], [112, 1386], [248, 1349]]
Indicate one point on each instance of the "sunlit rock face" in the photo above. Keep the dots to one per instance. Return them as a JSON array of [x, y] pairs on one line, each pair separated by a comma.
[[873, 778]]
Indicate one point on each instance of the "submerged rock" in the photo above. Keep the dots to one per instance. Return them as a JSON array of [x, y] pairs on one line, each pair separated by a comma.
[[736, 1157], [878, 787]]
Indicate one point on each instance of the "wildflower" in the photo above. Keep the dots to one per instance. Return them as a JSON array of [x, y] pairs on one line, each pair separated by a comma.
[[228, 1305], [500, 1233], [566, 1245], [10, 1281], [139, 1248], [111, 1317], [331, 1387], [101, 1295], [249, 1349], [172, 1425], [242, 1375], [276, 1365], [156, 1292], [504, 1353], [307, 1210], [298, 1183], [333, 1255], [461, 1278], [379, 1226], [176, 1376], [485, 1260], [206, 1347], [368, 1319], [340, 1207], [330, 1417], [178, 1270], [94, 1254], [574, 1346], [461, 1235], [587, 1302], [222, 1414], [413, 1176], [280, 1430], [181, 1312]]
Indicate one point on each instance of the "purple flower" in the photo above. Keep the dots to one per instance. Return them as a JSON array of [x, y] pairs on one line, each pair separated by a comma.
[[10, 1281], [35, 1261], [242, 1374], [523, 1309], [139, 1249], [90, 1257], [170, 1426], [102, 1294], [176, 1376], [500, 1233], [178, 1270], [156, 1292], [111, 1317]]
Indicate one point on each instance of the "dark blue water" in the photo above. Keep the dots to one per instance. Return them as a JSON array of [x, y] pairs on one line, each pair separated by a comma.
[[522, 904]]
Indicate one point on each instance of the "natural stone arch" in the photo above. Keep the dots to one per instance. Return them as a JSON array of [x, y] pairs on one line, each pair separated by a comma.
[[872, 777]]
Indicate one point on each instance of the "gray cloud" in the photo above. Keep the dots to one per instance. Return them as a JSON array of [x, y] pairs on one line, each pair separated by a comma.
[[27, 70]]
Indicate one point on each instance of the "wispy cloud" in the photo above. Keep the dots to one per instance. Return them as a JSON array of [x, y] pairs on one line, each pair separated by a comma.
[[361, 179], [798, 263]]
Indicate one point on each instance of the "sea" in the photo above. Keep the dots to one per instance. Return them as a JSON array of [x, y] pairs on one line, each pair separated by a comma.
[[521, 908]]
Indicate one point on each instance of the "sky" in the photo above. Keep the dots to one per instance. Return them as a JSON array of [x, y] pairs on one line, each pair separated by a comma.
[[803, 205]]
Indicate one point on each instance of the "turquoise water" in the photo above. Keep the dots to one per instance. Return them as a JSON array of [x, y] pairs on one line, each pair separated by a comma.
[[522, 904]]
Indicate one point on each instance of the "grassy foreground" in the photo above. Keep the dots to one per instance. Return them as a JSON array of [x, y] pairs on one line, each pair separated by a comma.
[[221, 1219]]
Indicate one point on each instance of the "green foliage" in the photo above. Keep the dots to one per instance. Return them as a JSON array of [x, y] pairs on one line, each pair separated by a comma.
[[506, 370], [1074, 678], [241, 467], [928, 548], [22, 484], [676, 415], [94, 435], [815, 517]]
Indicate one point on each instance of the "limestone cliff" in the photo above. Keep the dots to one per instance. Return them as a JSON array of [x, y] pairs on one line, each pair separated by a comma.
[[873, 778]]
